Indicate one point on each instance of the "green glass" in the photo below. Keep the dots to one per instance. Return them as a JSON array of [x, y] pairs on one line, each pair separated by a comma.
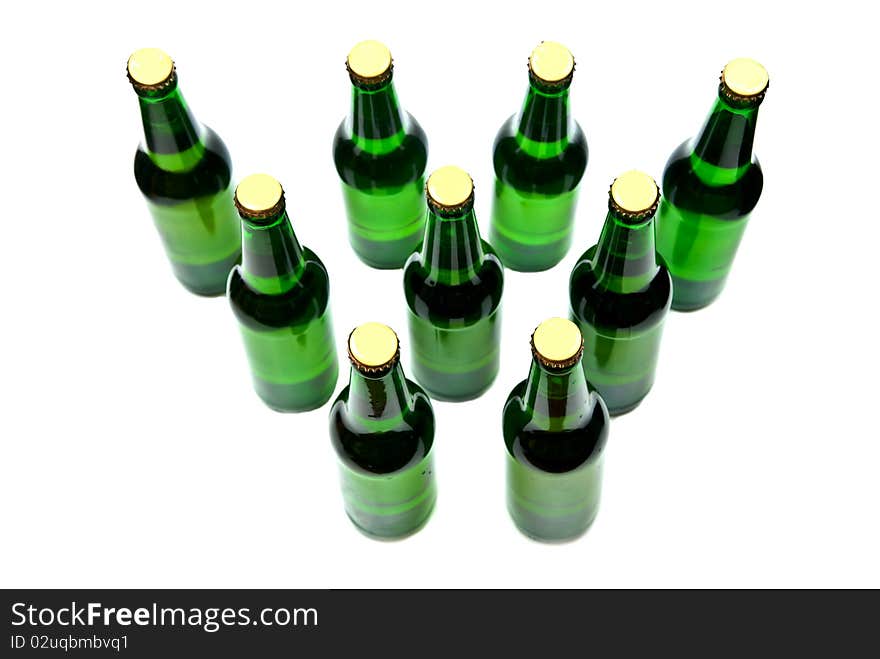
[[555, 430], [710, 186], [619, 297], [184, 171], [380, 152], [540, 156], [382, 427], [453, 287], [280, 296]]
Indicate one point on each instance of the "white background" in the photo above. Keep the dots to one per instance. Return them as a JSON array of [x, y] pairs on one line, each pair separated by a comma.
[[134, 451]]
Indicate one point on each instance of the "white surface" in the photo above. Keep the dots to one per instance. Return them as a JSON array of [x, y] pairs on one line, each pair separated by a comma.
[[134, 452]]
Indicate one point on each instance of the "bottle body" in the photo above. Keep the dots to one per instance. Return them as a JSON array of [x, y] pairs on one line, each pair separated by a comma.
[[538, 167], [382, 428], [700, 226], [455, 363], [622, 333], [388, 506], [455, 329], [555, 432], [184, 172], [280, 296], [380, 153], [288, 339], [553, 507]]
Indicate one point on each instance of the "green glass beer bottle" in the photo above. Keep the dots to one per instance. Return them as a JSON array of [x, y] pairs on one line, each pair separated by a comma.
[[453, 287], [380, 152], [620, 296], [555, 429], [280, 296], [710, 186], [185, 174], [382, 427], [540, 156]]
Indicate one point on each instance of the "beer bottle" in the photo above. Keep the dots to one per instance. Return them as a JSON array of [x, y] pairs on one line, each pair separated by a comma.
[[453, 288], [539, 156], [710, 186], [280, 295], [620, 295], [380, 152], [382, 427], [555, 430], [184, 172]]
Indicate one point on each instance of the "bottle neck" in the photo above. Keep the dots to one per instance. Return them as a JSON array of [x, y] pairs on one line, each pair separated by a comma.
[[722, 151], [172, 134], [556, 398], [272, 259], [452, 251], [381, 399], [376, 120], [543, 125], [625, 260]]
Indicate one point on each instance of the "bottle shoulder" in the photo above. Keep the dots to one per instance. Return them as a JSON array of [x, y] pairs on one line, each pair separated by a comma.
[[373, 447], [210, 175], [562, 444], [307, 300], [466, 301], [600, 307], [555, 175], [683, 188], [364, 169], [509, 128]]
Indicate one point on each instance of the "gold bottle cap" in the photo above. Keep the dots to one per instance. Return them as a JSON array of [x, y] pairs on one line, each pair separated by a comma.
[[557, 343], [552, 64], [634, 196], [373, 348], [259, 196], [744, 81], [450, 190], [369, 63], [150, 69]]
